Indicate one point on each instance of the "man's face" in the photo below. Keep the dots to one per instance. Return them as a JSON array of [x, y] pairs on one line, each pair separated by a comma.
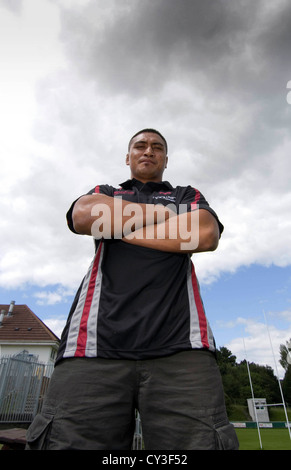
[[147, 157]]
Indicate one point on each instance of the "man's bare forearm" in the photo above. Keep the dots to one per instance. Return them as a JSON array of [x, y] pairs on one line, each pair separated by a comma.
[[191, 232], [114, 217]]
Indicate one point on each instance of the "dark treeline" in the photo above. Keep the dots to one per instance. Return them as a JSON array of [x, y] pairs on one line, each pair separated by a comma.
[[236, 381]]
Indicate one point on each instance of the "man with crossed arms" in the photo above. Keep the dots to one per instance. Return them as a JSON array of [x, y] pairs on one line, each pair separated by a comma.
[[137, 337]]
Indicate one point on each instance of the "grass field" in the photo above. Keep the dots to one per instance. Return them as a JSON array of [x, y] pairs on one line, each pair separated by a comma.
[[272, 439]]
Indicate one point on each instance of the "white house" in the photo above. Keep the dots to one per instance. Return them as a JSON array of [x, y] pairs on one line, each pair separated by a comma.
[[21, 330]]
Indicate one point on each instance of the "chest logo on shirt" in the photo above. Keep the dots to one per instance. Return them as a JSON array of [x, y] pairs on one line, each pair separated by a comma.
[[166, 196]]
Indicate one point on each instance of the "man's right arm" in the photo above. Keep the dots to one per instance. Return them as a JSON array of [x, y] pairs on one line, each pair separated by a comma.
[[113, 216]]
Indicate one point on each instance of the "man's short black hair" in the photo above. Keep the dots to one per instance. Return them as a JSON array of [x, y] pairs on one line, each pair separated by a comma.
[[154, 131]]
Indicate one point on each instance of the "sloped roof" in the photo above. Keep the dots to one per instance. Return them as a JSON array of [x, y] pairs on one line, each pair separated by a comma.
[[24, 326]]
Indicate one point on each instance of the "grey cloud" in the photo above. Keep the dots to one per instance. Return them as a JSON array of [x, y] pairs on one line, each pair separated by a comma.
[[233, 56], [139, 48]]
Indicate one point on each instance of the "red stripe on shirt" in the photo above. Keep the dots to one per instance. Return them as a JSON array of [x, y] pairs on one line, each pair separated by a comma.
[[82, 336], [97, 189], [196, 199], [200, 310]]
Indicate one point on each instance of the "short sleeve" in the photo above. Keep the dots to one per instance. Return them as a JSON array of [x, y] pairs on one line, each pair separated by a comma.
[[100, 189], [194, 199]]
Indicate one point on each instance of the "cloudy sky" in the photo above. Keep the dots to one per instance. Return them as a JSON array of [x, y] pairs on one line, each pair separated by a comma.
[[79, 77]]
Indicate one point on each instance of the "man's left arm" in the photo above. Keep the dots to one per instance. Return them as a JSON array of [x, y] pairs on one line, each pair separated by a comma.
[[190, 232]]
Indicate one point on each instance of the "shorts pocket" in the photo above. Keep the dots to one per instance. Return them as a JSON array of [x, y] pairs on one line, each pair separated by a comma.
[[38, 433], [226, 438]]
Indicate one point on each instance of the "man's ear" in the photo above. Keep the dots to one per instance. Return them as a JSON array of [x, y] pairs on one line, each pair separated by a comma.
[[166, 164], [127, 159]]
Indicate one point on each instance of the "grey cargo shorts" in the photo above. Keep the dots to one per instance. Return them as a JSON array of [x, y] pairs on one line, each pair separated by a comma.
[[91, 402]]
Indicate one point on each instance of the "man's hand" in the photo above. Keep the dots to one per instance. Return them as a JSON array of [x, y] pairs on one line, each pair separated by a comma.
[[190, 232]]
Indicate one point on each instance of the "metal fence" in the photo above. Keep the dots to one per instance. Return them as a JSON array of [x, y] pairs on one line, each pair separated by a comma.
[[23, 383]]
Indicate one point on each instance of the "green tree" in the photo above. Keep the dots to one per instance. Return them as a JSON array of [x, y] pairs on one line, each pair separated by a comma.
[[285, 354], [236, 381], [226, 362], [264, 382], [285, 361], [286, 386], [225, 359]]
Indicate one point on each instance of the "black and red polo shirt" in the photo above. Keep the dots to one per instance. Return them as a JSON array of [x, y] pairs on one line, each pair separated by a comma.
[[136, 302]]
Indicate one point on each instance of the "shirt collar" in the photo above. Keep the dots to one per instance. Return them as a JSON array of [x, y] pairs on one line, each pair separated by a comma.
[[128, 184]]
